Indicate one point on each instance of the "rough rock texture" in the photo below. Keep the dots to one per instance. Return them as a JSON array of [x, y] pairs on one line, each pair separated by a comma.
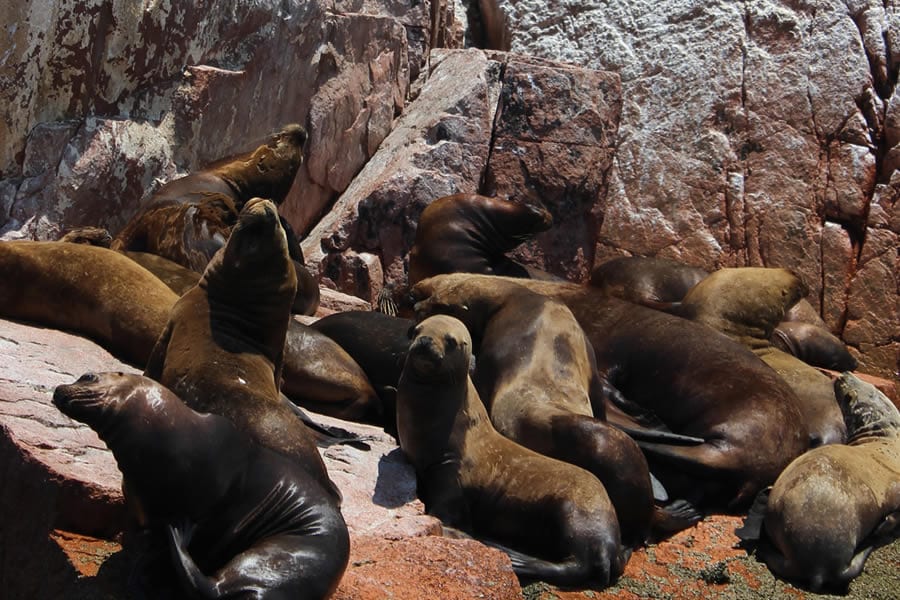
[[104, 100], [761, 132], [482, 122], [57, 475]]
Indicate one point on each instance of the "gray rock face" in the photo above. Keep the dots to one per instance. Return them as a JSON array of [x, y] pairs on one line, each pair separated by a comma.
[[760, 133]]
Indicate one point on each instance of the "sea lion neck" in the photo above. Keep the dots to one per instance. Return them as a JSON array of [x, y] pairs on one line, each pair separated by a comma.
[[868, 413]]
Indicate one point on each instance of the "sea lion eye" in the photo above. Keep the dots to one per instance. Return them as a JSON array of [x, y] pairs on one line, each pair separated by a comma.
[[450, 342]]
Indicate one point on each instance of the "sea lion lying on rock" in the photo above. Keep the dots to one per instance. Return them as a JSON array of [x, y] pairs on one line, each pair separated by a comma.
[[834, 505], [554, 519]]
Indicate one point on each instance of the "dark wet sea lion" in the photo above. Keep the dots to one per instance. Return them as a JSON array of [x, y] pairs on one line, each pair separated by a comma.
[[680, 376], [646, 280], [88, 290], [254, 520], [834, 505], [222, 350], [188, 219], [476, 480], [378, 343], [536, 373], [746, 304], [471, 233]]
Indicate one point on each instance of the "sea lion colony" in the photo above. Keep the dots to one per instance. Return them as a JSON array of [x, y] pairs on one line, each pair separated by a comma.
[[562, 423]]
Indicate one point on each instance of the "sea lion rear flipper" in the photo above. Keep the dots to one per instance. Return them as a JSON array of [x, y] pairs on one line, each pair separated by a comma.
[[327, 435], [673, 517], [752, 530], [157, 357]]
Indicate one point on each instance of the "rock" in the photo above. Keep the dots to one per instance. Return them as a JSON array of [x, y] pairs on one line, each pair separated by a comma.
[[331, 301], [748, 131], [508, 121], [176, 89]]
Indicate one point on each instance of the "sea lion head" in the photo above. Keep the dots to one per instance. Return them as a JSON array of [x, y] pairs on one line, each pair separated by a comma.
[[867, 412], [745, 300], [514, 222], [115, 403], [441, 349], [257, 237]]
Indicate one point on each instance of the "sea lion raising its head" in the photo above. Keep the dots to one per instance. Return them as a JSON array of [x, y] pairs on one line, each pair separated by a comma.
[[252, 518]]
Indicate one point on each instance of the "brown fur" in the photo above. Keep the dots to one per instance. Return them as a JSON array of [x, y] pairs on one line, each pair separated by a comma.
[[474, 479], [536, 373], [89, 290], [832, 506]]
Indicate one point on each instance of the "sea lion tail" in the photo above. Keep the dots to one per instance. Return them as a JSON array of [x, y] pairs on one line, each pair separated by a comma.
[[751, 532], [189, 574]]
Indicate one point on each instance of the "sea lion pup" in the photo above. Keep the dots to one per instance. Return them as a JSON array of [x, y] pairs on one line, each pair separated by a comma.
[[252, 518], [665, 372], [746, 304], [476, 480], [646, 280], [835, 504], [378, 343], [223, 348], [89, 290], [536, 373], [471, 233]]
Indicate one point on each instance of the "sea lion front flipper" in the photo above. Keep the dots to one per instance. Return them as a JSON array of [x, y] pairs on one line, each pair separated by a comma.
[[570, 570], [189, 574], [751, 531]]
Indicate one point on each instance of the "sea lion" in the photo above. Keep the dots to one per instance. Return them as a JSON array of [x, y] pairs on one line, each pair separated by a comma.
[[835, 504], [662, 284], [223, 347], [536, 373], [94, 236], [746, 304], [188, 219], [88, 290], [471, 233], [378, 343], [256, 521], [646, 280], [814, 345], [480, 482], [666, 372]]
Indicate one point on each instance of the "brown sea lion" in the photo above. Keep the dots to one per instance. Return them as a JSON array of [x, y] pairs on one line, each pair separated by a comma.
[[746, 304], [188, 219], [88, 290], [536, 372], [94, 236], [480, 482], [835, 504], [471, 233], [646, 280], [666, 372], [321, 376], [256, 521], [222, 349]]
